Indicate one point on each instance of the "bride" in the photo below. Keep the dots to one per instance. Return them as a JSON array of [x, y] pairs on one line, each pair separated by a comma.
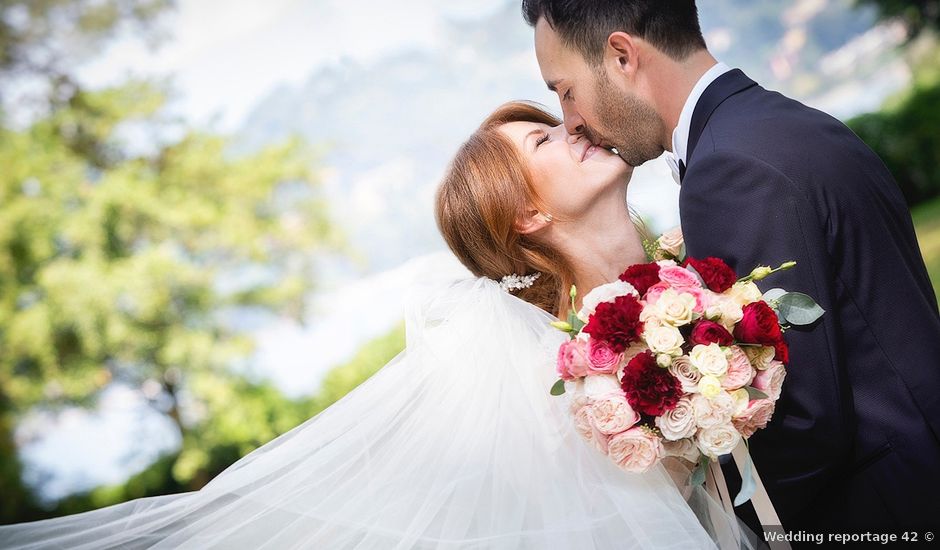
[[456, 443]]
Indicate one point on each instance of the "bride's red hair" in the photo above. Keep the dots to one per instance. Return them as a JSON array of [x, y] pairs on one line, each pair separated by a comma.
[[486, 189]]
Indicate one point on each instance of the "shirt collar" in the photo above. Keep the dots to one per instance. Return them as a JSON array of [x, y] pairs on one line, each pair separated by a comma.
[[680, 136]]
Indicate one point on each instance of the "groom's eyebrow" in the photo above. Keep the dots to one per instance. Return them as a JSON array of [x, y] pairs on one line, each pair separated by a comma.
[[553, 85]]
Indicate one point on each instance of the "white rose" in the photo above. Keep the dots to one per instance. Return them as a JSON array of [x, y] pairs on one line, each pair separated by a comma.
[[687, 374], [678, 422], [671, 241], [760, 356], [665, 339], [601, 385], [574, 389], [710, 360], [712, 412], [604, 293], [666, 263], [745, 292], [718, 440], [675, 308], [709, 386]]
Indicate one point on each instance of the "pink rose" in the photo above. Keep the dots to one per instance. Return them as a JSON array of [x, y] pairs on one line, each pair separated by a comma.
[[636, 450], [740, 372], [573, 359], [703, 298], [584, 424], [754, 417], [770, 380], [679, 278], [602, 359], [612, 414], [654, 292]]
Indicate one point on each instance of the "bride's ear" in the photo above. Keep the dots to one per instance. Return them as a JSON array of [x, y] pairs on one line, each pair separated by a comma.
[[531, 221]]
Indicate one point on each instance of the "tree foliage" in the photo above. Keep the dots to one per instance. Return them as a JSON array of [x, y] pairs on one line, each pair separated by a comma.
[[917, 15]]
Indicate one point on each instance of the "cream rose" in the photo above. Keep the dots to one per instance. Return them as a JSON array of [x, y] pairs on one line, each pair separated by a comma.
[[710, 360], [687, 374], [604, 293], [671, 242], [740, 372], [770, 380], [744, 292], [675, 308], [718, 440], [601, 385], [725, 310], [635, 450], [709, 386], [754, 417], [612, 414], [741, 399], [760, 356], [679, 422], [665, 339], [712, 412]]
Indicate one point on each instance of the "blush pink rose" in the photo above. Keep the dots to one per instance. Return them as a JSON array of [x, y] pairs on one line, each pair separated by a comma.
[[612, 414], [573, 359], [584, 424], [740, 372], [679, 278], [755, 417], [602, 359], [770, 380], [635, 450], [703, 298], [652, 295]]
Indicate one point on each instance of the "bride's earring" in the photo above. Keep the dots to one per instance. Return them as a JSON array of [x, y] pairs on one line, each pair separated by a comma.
[[548, 218]]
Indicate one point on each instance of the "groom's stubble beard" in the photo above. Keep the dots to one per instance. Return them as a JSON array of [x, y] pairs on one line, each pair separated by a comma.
[[631, 125]]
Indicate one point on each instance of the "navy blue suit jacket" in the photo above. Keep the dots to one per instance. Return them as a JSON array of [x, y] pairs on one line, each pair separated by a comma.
[[855, 438]]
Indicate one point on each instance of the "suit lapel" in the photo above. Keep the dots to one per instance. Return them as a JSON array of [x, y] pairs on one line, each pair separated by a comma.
[[722, 88]]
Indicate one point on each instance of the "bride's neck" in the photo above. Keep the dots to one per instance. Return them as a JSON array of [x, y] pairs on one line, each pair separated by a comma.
[[600, 246]]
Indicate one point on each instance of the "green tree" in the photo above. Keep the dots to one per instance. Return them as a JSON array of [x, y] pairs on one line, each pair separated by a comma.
[[917, 15]]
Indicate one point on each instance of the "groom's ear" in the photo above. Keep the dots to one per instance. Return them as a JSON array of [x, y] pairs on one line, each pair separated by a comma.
[[530, 221], [621, 52]]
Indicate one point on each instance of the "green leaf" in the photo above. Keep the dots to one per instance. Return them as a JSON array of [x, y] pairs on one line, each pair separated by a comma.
[[799, 309], [698, 475], [754, 393], [558, 388], [576, 323], [773, 294]]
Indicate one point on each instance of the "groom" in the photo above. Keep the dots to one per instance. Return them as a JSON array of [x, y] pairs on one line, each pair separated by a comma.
[[854, 443]]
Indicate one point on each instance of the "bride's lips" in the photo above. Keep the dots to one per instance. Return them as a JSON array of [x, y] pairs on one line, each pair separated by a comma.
[[589, 151]]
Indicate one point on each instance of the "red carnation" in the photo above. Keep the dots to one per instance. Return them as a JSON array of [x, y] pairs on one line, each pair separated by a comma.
[[650, 389], [617, 323], [715, 272], [710, 332], [759, 325], [641, 276], [783, 352]]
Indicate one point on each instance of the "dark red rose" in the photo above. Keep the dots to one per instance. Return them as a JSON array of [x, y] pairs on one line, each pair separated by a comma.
[[617, 323], [759, 325], [710, 332], [641, 276], [649, 388], [783, 352], [715, 272]]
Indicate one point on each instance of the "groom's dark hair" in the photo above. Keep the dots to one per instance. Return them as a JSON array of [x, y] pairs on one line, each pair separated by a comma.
[[670, 25]]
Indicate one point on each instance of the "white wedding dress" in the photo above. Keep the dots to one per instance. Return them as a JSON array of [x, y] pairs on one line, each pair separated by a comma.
[[455, 444]]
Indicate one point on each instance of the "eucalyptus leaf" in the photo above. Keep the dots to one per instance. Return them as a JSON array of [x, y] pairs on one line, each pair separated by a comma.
[[698, 475], [747, 483], [799, 309], [754, 393], [558, 388], [697, 274], [774, 294]]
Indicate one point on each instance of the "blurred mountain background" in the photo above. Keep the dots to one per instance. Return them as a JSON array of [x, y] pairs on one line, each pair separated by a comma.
[[212, 210]]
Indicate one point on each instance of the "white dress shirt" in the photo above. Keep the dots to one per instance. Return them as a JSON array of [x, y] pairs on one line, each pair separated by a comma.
[[680, 135]]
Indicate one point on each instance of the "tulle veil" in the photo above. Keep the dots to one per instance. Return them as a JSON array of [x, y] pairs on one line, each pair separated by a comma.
[[454, 444]]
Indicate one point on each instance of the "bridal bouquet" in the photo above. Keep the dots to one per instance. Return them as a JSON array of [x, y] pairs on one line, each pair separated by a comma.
[[677, 358]]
